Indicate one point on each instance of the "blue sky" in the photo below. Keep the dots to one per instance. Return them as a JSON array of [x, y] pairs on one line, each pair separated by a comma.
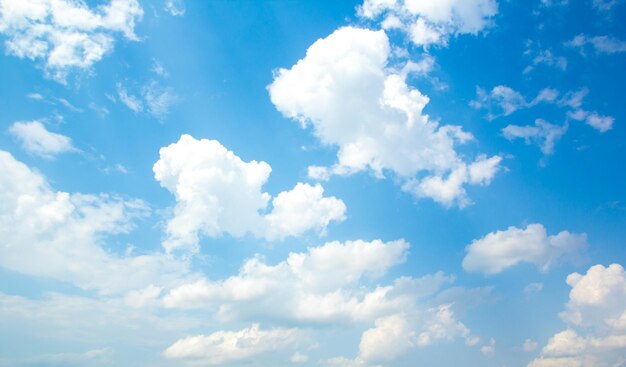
[[377, 183]]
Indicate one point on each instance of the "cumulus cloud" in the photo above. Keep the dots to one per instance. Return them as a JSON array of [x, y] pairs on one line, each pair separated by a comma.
[[394, 335], [222, 347], [59, 235], [596, 321], [36, 139], [332, 285], [344, 90], [309, 284], [500, 250], [217, 192], [431, 22], [542, 133], [64, 34]]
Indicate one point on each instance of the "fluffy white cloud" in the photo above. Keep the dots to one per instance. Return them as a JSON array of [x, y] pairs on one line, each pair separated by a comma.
[[36, 139], [431, 22], [222, 347], [305, 286], [66, 34], [500, 250], [543, 134], [396, 334], [58, 235], [595, 314], [344, 89], [304, 207], [217, 192]]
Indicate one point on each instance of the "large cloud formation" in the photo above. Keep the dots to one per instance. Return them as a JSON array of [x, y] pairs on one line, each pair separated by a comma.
[[345, 89], [217, 192]]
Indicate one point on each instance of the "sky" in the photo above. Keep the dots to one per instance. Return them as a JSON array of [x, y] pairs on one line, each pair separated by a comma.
[[312, 183]]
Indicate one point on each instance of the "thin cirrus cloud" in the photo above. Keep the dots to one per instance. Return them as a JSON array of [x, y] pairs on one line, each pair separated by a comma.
[[217, 192], [344, 89], [66, 35], [37, 140], [152, 98], [500, 250]]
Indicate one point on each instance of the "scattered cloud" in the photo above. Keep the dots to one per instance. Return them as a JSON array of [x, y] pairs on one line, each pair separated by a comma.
[[37, 140], [599, 44], [217, 192], [431, 23], [66, 35], [543, 57], [152, 99], [175, 7], [542, 133], [344, 89], [500, 250]]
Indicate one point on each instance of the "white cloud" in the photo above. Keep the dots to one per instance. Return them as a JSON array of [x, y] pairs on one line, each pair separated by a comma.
[[298, 357], [396, 334], [599, 44], [36, 139], [431, 22], [344, 89], [593, 119], [310, 282], [301, 209], [605, 5], [501, 250], [533, 288], [543, 134], [488, 350], [596, 333], [130, 101], [503, 100], [217, 192], [154, 99], [65, 34], [529, 345], [545, 57], [175, 7], [58, 235], [224, 347]]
